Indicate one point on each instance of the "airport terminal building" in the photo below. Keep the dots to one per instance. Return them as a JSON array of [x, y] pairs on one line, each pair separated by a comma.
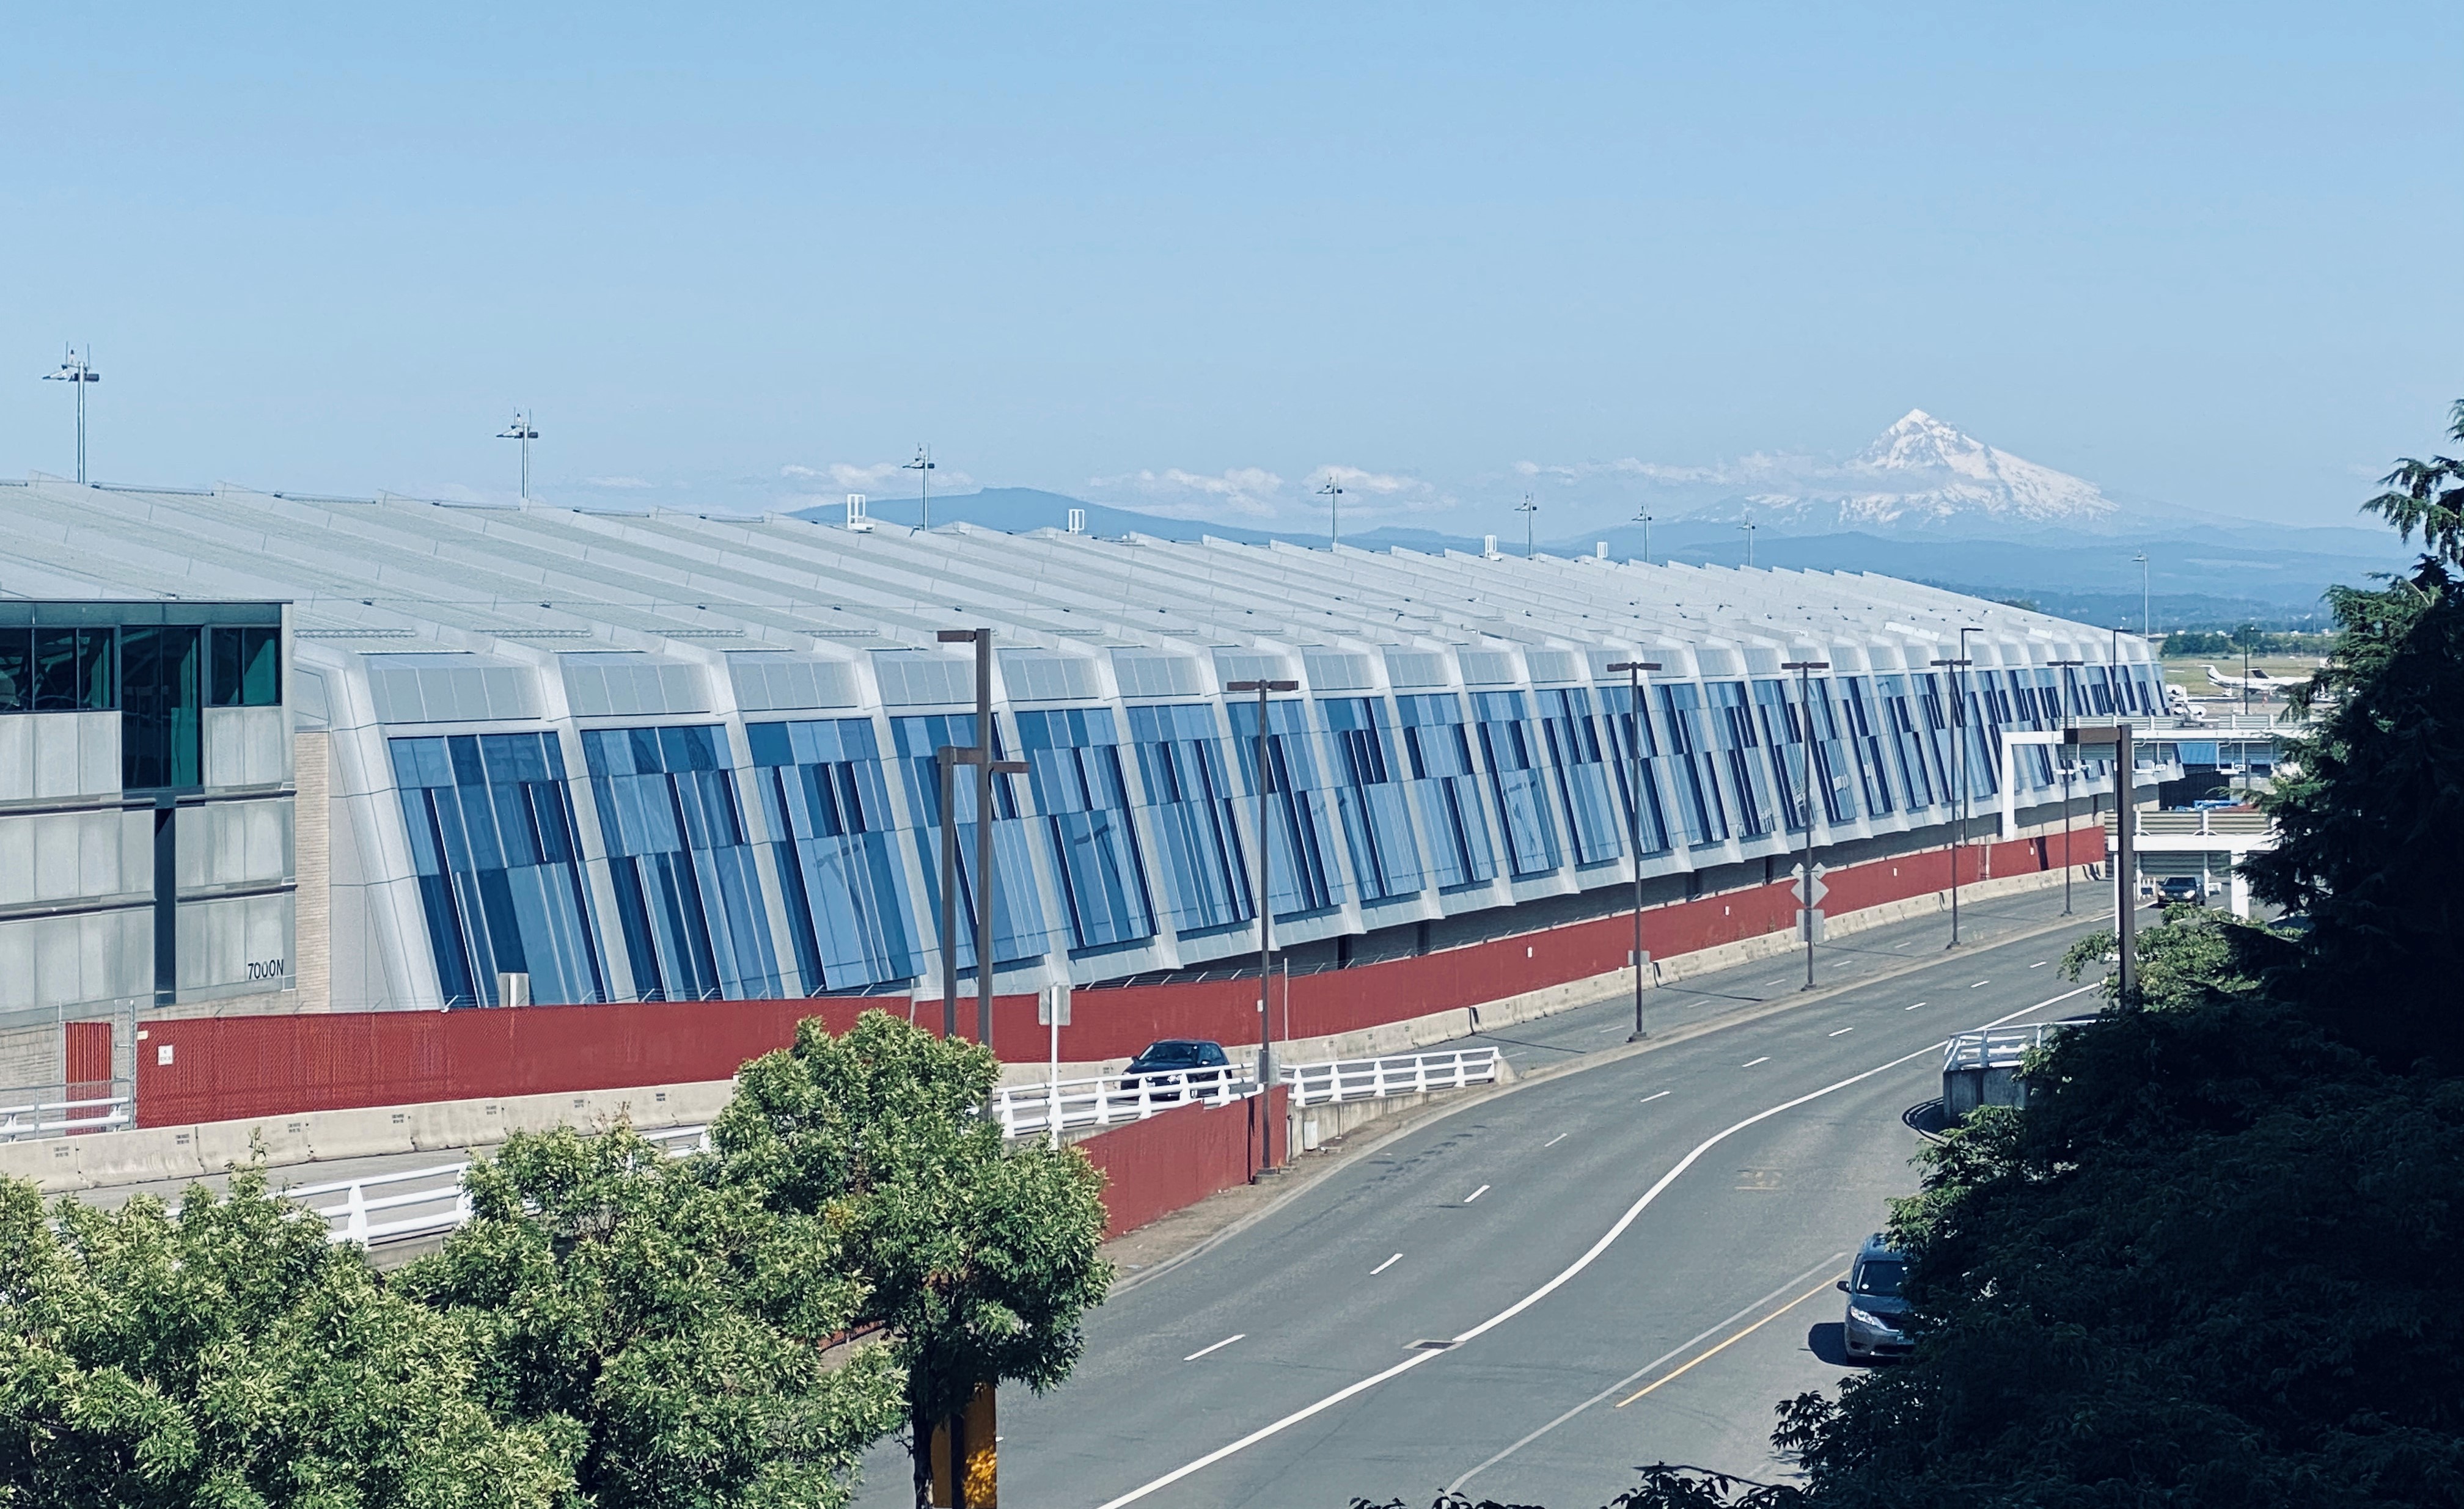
[[266, 752]]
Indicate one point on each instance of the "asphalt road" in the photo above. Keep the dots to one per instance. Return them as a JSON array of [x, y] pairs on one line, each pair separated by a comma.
[[1623, 1265]]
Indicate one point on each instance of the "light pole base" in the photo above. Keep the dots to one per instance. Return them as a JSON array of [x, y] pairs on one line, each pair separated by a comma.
[[1636, 1035]]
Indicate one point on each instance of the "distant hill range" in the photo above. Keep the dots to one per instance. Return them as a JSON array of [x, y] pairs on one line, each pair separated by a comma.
[[1925, 501]]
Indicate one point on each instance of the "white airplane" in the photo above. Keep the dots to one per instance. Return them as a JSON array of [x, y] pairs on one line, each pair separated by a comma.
[[2178, 703], [2257, 681]]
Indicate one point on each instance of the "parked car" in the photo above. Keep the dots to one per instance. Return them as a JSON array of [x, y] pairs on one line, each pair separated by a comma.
[[1878, 1315], [2182, 887], [1165, 1067]]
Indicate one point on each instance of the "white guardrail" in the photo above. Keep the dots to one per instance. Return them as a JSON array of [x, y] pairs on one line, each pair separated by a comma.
[[1027, 1110], [422, 1202], [2002, 1047], [65, 1118]]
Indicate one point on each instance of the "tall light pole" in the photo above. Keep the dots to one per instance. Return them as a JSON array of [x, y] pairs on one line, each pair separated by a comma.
[[1748, 527], [523, 431], [1642, 516], [1528, 508], [1333, 492], [2147, 604], [1634, 670], [1959, 767], [922, 467], [1805, 669], [2069, 763], [1265, 918], [987, 768], [78, 367]]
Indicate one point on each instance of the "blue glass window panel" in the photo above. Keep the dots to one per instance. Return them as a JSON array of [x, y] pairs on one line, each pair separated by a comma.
[[1741, 748], [1445, 788], [1376, 824], [490, 832], [1017, 927], [1304, 874], [1637, 763], [1858, 719], [1073, 760], [1689, 740], [1190, 802], [686, 887], [1776, 713], [1579, 760], [1509, 747]]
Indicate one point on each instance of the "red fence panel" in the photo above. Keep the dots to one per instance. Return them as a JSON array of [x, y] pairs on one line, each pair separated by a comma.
[[1171, 1161]]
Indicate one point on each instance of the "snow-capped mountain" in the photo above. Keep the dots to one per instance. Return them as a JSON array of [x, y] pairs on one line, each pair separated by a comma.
[[1920, 475]]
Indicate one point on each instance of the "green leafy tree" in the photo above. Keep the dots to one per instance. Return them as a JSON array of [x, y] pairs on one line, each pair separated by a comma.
[[2427, 496], [232, 1357], [676, 1329], [977, 1258]]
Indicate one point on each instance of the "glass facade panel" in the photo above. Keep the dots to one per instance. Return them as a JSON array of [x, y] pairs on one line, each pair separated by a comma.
[[1776, 713], [162, 729], [1190, 815], [1859, 721], [491, 843], [73, 670], [686, 891], [1578, 760], [1627, 740], [1375, 822], [1518, 779], [1304, 873], [1017, 905], [1910, 715], [1740, 751], [247, 667], [1073, 758], [1445, 786], [1689, 740], [830, 827]]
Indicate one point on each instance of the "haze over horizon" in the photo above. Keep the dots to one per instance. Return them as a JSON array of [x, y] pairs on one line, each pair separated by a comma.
[[1198, 265]]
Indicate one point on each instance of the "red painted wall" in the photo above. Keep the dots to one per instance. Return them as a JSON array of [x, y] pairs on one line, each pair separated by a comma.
[[1169, 1162], [229, 1067]]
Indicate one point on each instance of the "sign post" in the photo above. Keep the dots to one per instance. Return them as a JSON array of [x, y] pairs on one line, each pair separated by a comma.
[[2125, 814], [1052, 1010]]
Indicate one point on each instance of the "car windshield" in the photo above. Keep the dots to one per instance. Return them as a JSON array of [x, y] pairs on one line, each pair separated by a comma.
[[1880, 1275], [1171, 1053]]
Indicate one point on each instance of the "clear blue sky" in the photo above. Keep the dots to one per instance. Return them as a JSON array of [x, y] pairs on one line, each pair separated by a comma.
[[2200, 253]]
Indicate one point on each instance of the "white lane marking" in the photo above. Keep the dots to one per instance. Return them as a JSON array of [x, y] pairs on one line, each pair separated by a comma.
[[1911, 1008], [1645, 1370], [2039, 965], [1750, 1062], [1383, 1266], [1591, 1255], [1842, 1031], [1648, 1099], [1980, 985], [1475, 1194], [1217, 1347], [1555, 1141]]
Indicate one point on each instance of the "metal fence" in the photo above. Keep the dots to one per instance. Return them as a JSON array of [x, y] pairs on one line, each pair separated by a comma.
[[1374, 1078], [22, 1119], [1026, 1111], [2002, 1047]]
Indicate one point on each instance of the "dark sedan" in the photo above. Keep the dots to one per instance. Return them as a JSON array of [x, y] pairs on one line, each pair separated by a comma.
[[1166, 1066]]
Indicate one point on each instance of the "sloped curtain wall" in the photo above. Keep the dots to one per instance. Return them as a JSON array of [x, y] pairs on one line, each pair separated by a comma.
[[1375, 822], [491, 843], [1578, 760], [1018, 903], [1190, 801], [1651, 819], [1511, 748], [1073, 758], [1305, 875], [1446, 785], [829, 816]]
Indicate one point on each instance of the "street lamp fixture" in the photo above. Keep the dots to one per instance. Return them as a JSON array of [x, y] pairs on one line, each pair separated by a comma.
[[1265, 918], [1634, 670], [1808, 920], [523, 431], [78, 367], [923, 466]]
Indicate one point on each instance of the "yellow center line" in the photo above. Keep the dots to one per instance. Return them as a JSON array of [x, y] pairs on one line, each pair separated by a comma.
[[1730, 1342]]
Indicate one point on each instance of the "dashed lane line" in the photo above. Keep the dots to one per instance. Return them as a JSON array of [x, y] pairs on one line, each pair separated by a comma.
[[1565, 1275], [1475, 1194], [1383, 1266], [1750, 1062], [1217, 1348]]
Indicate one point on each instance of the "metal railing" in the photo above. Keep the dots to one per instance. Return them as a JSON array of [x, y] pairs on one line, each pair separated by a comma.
[[1374, 1078], [2002, 1047], [1025, 1110], [63, 1117], [422, 1202]]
